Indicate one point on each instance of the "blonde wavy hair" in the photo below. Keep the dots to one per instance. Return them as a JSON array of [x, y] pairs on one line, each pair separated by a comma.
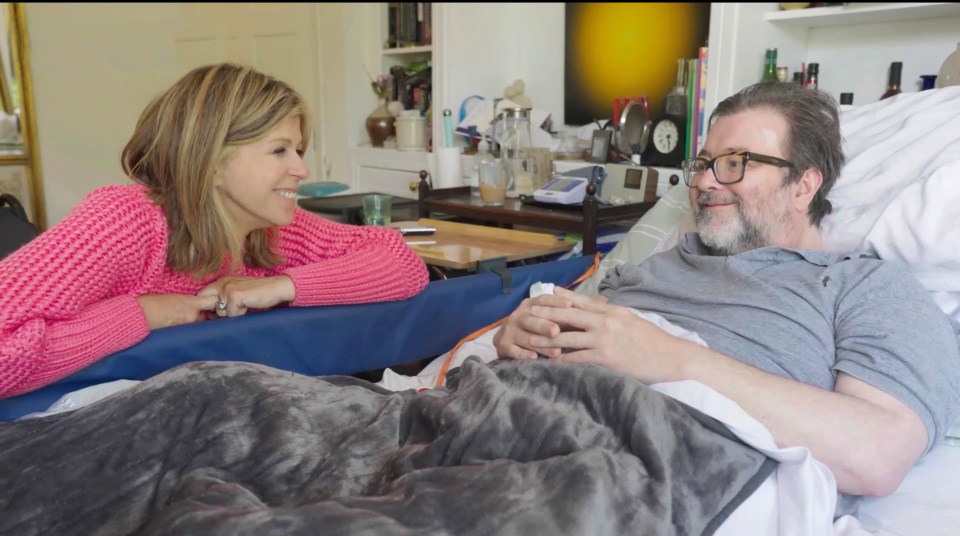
[[179, 142]]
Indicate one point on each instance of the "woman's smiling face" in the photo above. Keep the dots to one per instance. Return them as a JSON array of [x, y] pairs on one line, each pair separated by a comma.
[[258, 182]]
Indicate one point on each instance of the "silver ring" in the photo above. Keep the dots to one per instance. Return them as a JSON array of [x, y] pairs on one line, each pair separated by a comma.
[[222, 305]]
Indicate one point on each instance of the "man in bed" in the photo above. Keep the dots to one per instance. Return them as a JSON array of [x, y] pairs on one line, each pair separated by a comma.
[[844, 354]]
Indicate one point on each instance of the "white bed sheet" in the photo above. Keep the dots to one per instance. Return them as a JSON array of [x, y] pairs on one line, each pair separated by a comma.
[[927, 503]]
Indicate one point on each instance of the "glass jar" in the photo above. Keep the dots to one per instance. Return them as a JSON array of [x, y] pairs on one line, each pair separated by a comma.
[[513, 136]]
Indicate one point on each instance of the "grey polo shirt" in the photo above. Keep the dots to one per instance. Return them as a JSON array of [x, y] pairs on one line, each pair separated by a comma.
[[805, 315]]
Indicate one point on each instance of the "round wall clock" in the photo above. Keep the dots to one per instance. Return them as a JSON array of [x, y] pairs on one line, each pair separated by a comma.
[[668, 139]]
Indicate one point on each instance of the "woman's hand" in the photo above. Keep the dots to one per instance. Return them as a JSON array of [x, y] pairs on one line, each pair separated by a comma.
[[164, 310], [236, 294], [513, 339]]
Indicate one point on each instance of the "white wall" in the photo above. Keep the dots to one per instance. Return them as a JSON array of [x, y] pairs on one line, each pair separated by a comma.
[[90, 84], [489, 45], [331, 27], [853, 56], [360, 48], [856, 59]]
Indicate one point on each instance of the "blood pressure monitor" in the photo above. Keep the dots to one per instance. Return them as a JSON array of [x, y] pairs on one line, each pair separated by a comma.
[[563, 189], [629, 184]]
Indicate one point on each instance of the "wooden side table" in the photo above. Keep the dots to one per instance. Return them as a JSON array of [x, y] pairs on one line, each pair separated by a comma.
[[584, 219]]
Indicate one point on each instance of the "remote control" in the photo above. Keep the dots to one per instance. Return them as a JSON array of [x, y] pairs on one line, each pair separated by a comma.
[[417, 230]]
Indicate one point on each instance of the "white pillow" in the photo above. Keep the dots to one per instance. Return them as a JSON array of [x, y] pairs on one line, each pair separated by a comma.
[[921, 229], [889, 144], [898, 193], [658, 230]]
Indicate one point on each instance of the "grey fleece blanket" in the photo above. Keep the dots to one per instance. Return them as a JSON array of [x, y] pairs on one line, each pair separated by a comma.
[[511, 448]]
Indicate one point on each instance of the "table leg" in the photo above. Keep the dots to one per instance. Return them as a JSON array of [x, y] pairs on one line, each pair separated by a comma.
[[590, 225]]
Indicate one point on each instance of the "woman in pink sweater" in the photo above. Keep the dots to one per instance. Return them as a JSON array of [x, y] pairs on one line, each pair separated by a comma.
[[209, 228]]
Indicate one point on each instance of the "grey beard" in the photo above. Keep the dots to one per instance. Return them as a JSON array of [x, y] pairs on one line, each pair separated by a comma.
[[749, 235]]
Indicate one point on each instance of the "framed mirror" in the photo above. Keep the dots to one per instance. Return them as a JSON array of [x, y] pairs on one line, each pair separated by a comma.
[[19, 155]]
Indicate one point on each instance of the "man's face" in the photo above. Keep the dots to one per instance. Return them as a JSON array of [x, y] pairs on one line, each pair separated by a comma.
[[755, 212]]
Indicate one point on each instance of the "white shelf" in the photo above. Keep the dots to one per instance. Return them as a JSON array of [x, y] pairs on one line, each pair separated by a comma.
[[391, 151], [406, 51], [872, 13]]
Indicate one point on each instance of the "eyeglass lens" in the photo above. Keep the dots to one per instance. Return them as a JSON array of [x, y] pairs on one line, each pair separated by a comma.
[[727, 169]]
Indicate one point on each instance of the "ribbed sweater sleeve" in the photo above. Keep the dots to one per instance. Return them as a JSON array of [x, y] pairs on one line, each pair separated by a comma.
[[334, 263], [67, 298]]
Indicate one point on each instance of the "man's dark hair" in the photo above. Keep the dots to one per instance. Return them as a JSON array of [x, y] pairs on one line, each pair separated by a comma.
[[813, 136]]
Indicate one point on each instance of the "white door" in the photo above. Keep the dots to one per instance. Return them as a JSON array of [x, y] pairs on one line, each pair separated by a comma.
[[276, 38]]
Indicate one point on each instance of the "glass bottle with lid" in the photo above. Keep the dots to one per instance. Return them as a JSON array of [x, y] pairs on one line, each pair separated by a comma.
[[676, 101], [486, 166], [515, 143]]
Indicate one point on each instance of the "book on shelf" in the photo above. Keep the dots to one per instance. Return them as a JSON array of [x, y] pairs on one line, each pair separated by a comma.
[[691, 66], [426, 26], [696, 102], [700, 134], [392, 24], [409, 24]]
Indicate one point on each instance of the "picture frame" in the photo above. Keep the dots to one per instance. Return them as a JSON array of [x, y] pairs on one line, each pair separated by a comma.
[[600, 146], [617, 49], [19, 148]]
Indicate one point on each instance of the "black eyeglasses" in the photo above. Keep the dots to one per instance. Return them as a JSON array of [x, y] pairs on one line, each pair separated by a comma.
[[727, 168]]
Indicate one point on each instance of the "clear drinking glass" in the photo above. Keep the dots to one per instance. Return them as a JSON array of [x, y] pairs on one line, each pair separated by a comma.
[[377, 209]]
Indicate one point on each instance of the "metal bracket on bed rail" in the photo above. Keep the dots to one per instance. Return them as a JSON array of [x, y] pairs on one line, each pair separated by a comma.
[[499, 267]]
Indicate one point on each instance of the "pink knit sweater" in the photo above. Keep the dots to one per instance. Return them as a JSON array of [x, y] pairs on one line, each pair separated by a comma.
[[68, 298]]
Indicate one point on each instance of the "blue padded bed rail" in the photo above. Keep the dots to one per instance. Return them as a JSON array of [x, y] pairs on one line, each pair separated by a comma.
[[342, 339]]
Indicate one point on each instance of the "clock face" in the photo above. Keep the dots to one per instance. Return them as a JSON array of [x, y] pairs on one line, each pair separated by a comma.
[[666, 136]]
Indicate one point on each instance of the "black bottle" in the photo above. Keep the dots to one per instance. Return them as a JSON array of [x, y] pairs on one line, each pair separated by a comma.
[[813, 76], [893, 83]]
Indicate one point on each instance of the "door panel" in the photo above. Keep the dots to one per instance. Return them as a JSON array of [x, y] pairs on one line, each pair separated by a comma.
[[277, 39]]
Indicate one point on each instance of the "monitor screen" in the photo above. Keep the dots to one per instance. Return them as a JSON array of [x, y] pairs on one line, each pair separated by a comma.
[[633, 179], [561, 184]]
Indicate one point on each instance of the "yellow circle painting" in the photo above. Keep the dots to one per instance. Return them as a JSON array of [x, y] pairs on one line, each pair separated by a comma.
[[627, 50]]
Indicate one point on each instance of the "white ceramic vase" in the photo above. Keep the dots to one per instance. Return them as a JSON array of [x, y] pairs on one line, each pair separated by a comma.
[[949, 74]]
